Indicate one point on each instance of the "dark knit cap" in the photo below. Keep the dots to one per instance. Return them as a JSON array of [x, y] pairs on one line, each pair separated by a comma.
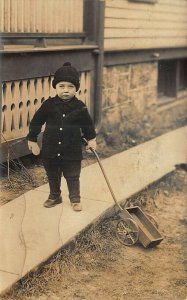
[[67, 73]]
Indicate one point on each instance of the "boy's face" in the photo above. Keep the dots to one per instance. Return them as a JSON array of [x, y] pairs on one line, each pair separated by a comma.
[[65, 90]]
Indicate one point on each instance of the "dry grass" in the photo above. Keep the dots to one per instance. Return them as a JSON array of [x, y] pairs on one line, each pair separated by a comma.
[[81, 255]]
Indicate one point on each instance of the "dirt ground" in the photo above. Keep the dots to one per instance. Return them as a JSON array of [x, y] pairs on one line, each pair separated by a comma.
[[97, 266]]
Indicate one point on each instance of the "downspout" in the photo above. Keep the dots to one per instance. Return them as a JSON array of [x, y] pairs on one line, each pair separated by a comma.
[[99, 56]]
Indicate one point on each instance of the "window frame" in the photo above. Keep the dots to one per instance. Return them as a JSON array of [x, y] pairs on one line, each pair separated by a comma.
[[182, 75], [170, 90], [144, 1]]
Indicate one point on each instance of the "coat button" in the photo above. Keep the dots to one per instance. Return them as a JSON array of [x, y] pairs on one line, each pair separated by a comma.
[[59, 143], [58, 154], [60, 128]]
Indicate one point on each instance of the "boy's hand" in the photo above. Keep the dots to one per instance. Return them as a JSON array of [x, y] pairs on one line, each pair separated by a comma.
[[34, 147], [91, 144]]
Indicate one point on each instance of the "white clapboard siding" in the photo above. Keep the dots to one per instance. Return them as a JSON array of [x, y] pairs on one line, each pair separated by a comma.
[[41, 16], [144, 33], [133, 25], [181, 3], [164, 6], [122, 43], [150, 14], [112, 23]]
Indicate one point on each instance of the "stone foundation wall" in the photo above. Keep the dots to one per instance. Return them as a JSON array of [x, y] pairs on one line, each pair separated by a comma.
[[130, 111]]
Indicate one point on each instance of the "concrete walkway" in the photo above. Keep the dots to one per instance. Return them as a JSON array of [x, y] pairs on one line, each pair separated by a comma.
[[30, 233]]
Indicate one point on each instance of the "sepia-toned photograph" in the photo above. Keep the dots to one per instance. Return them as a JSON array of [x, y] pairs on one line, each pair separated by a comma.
[[93, 150]]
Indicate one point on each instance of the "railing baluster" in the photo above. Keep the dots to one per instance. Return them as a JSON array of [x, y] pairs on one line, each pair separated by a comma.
[[76, 12], [44, 17], [20, 16], [26, 15], [49, 17], [32, 4], [57, 19], [2, 15], [8, 93], [60, 25], [13, 13], [31, 96], [3, 106], [31, 91], [46, 88], [79, 26], [16, 100], [41, 16], [39, 89], [8, 102], [7, 15], [38, 16]]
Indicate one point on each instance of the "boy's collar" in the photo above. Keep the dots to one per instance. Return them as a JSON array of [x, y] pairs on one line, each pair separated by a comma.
[[57, 99]]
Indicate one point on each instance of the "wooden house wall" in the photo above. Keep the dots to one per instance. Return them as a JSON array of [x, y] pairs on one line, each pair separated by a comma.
[[138, 25]]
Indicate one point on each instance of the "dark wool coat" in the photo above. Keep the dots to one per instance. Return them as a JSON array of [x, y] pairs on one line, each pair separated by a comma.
[[66, 122]]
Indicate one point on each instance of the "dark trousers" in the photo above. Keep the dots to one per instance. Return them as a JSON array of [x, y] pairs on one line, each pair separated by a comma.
[[71, 169]]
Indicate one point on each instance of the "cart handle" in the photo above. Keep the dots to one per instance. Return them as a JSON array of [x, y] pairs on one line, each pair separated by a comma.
[[104, 174]]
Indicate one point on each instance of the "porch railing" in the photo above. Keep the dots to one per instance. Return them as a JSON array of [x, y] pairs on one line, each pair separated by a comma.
[[21, 99], [41, 16]]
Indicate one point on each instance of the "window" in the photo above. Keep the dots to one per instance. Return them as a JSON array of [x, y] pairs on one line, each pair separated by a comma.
[[167, 78], [182, 85], [144, 1], [172, 77]]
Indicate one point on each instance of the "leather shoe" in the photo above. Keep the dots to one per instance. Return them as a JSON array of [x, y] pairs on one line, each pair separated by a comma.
[[52, 202], [76, 206]]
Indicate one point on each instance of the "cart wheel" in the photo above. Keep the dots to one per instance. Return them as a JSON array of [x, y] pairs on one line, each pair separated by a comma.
[[153, 220], [127, 232]]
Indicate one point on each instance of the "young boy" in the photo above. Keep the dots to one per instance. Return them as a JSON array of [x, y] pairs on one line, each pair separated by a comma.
[[67, 121]]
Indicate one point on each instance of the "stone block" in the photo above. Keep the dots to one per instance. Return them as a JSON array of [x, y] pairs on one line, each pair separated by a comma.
[[111, 118], [106, 97], [138, 98], [123, 88], [143, 75]]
